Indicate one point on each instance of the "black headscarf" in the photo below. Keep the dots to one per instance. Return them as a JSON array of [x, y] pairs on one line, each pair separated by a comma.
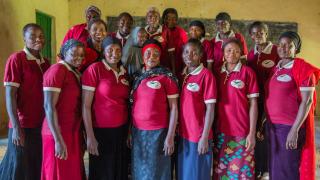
[[68, 45], [199, 24], [295, 39]]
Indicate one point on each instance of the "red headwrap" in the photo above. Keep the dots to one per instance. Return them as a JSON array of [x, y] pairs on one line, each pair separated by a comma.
[[151, 46]]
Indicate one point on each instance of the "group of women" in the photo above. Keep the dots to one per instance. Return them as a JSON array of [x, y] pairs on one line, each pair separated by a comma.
[[152, 88]]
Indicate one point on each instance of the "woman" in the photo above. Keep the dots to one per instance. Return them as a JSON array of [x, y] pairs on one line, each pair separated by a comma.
[[24, 102], [132, 55], [176, 38], [61, 134], [80, 31], [154, 114], [125, 22], [105, 114], [224, 32], [198, 98], [198, 31], [290, 102], [237, 116], [97, 32], [262, 58]]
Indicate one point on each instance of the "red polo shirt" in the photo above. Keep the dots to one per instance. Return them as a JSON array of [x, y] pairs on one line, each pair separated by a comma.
[[111, 93], [282, 99], [25, 72], [77, 32], [234, 90], [150, 110], [198, 89], [61, 78]]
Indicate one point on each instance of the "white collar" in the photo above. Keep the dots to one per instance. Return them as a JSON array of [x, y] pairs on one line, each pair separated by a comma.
[[30, 57], [236, 69], [118, 36], [194, 72], [202, 39], [231, 35], [75, 72], [289, 65], [122, 70], [266, 50], [159, 30]]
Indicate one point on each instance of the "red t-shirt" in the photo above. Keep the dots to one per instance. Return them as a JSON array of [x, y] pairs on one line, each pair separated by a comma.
[[150, 110], [282, 99], [25, 72], [217, 46], [111, 94], [77, 32], [208, 52], [262, 63], [234, 90], [198, 89], [63, 79], [117, 35]]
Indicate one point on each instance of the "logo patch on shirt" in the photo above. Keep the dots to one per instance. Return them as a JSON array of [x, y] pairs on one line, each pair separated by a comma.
[[237, 83], [284, 78], [125, 82], [154, 84], [267, 63], [193, 87]]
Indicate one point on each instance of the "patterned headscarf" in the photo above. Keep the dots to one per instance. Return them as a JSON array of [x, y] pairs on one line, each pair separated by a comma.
[[68, 45], [93, 8]]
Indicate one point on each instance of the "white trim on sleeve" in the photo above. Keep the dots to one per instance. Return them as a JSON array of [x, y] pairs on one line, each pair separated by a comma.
[[307, 88], [52, 89], [171, 49], [89, 88], [14, 84], [254, 95], [210, 60], [173, 96], [209, 101]]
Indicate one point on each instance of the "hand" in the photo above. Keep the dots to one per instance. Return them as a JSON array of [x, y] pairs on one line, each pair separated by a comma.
[[168, 146], [203, 145], [250, 142], [92, 146], [61, 150], [129, 141], [18, 136], [292, 139]]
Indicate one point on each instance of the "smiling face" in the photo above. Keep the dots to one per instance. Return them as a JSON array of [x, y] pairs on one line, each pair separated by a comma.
[[286, 48], [171, 20], [112, 54], [74, 56], [223, 26], [191, 55], [151, 57], [258, 35], [124, 25], [153, 19], [195, 32], [232, 53], [34, 39], [97, 31]]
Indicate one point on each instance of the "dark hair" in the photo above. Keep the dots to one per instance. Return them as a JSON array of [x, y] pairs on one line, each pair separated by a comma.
[[110, 40], [223, 16], [295, 38], [166, 12], [232, 40], [96, 20], [152, 41], [125, 14], [258, 24], [195, 42], [30, 25], [198, 24], [68, 45]]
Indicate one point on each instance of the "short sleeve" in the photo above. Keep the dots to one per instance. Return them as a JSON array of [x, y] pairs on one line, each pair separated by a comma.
[[308, 84], [89, 78], [171, 88], [252, 84], [13, 72], [209, 50], [54, 78], [209, 89]]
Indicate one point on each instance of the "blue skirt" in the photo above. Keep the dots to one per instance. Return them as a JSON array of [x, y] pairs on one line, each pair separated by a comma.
[[148, 159], [191, 165]]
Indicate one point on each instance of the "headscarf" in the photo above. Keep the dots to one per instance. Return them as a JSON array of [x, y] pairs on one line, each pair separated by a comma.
[[93, 8], [68, 45], [110, 40], [295, 38], [151, 43], [199, 24]]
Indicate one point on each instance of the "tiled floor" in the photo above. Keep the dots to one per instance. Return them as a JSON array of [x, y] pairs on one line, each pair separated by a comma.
[[3, 146]]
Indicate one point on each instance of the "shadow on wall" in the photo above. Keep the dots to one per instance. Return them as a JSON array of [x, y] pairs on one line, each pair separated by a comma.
[[7, 23]]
